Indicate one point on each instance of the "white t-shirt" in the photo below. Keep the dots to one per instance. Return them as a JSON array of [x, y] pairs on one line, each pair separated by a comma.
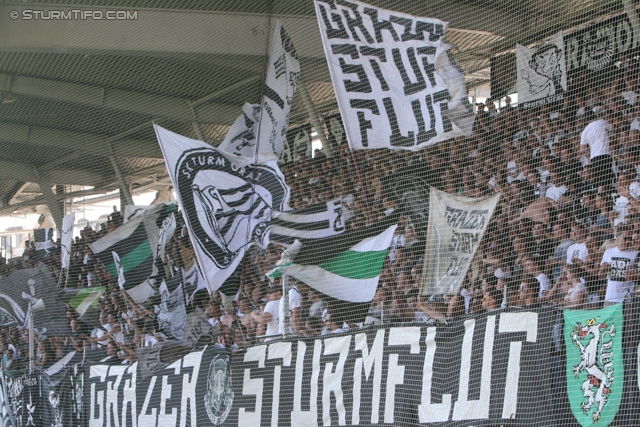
[[621, 262], [545, 283], [577, 250], [596, 136], [294, 302], [634, 190], [273, 325]]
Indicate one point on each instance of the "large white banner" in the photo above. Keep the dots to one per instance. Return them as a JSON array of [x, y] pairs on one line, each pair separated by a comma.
[[455, 229], [260, 132], [226, 201], [396, 83], [542, 73]]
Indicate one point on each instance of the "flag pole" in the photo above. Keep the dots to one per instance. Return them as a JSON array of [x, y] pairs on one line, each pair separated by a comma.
[[286, 258]]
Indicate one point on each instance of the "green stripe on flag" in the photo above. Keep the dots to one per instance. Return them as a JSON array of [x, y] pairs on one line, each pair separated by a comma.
[[83, 294], [132, 259], [356, 265]]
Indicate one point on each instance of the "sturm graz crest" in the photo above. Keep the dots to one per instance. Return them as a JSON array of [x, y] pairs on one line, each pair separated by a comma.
[[594, 363], [219, 397], [227, 207]]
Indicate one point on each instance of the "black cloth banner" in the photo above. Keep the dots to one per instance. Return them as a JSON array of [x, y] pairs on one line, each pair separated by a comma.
[[505, 367], [492, 369]]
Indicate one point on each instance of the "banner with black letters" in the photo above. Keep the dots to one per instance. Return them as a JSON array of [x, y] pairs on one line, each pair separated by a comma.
[[396, 82], [454, 231], [492, 369]]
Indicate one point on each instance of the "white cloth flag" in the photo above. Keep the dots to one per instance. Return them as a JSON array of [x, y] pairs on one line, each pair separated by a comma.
[[226, 201], [264, 127], [455, 229], [120, 269], [396, 82], [66, 239], [542, 73], [350, 276], [166, 232]]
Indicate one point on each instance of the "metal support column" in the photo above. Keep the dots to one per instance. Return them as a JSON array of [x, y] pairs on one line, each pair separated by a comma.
[[315, 120]]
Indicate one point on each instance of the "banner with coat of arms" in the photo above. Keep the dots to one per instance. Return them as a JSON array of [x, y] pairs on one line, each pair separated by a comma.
[[595, 377]]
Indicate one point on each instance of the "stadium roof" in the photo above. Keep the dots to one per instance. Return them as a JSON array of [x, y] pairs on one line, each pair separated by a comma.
[[77, 96]]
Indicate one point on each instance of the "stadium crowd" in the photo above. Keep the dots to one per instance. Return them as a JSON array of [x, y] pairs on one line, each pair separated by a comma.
[[565, 232]]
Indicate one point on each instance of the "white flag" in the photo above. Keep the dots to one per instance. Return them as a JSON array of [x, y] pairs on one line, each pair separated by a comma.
[[455, 229], [66, 239], [396, 81], [119, 268], [166, 232], [226, 201], [265, 125], [542, 73]]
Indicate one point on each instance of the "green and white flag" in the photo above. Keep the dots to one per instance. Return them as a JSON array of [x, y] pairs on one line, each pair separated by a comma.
[[595, 365], [85, 302], [352, 275]]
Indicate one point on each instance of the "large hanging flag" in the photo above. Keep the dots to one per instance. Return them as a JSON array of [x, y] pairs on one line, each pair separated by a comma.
[[315, 222], [260, 132], [135, 243], [396, 81], [454, 231], [226, 201], [352, 275], [595, 365], [542, 73], [66, 239]]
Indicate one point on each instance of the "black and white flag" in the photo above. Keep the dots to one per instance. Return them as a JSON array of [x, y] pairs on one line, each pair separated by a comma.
[[396, 82], [542, 73], [315, 222], [260, 132], [226, 201], [297, 147]]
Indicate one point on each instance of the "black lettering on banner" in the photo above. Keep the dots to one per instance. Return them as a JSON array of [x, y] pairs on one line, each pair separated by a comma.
[[345, 49], [363, 85], [287, 44], [457, 266], [440, 97], [435, 30], [369, 104], [280, 66], [397, 139], [428, 67], [273, 95], [333, 33], [379, 26], [463, 242], [407, 24], [355, 21], [455, 217], [409, 87], [381, 54], [423, 134], [432, 114], [477, 220]]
